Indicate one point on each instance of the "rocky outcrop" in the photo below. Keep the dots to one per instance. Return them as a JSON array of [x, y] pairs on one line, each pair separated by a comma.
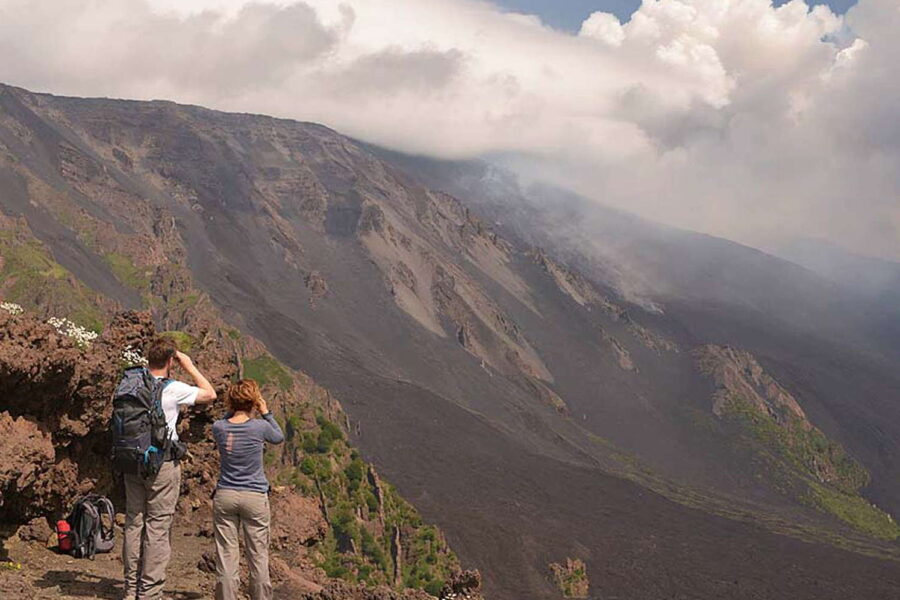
[[36, 530], [306, 524], [572, 283], [57, 409], [767, 422], [317, 286], [571, 578], [623, 356], [465, 585], [585, 293], [739, 377], [54, 447], [26, 452]]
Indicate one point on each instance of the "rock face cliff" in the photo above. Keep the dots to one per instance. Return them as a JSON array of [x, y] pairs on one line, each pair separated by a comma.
[[522, 392], [337, 527], [334, 519], [769, 425]]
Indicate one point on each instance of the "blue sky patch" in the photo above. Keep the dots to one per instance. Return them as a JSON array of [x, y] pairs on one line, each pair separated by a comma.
[[569, 14]]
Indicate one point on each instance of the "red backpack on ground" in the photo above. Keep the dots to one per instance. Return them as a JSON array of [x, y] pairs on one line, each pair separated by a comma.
[[64, 538]]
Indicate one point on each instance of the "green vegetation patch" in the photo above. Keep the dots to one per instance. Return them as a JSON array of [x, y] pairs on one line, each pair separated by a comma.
[[127, 272], [29, 263], [29, 276], [802, 462], [265, 369], [804, 447], [854, 510], [364, 513], [184, 341]]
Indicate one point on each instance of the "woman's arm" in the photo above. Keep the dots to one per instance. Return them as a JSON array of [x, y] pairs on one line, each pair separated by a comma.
[[272, 433]]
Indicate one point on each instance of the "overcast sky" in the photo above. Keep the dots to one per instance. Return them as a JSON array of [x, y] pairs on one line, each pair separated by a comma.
[[732, 117]]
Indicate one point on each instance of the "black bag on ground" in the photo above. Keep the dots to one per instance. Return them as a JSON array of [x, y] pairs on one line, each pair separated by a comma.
[[92, 523], [139, 431]]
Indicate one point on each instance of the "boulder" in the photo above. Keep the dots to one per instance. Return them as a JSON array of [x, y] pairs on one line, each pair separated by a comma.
[[36, 529], [296, 520]]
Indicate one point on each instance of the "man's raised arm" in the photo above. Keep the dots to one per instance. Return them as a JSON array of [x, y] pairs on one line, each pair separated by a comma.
[[207, 393]]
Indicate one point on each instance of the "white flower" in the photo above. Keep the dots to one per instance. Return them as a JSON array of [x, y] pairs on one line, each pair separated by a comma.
[[83, 337], [12, 308], [133, 356]]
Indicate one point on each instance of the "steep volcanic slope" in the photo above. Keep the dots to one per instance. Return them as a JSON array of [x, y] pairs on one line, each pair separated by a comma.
[[336, 519], [480, 374], [834, 346], [877, 279]]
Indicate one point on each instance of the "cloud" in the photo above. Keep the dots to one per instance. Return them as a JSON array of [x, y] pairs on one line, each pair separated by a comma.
[[128, 49], [726, 116], [604, 27], [393, 71]]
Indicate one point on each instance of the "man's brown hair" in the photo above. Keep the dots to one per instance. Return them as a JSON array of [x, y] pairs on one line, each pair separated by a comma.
[[159, 351], [243, 395]]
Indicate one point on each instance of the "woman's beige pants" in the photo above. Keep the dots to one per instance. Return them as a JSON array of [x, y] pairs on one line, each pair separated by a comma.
[[247, 512]]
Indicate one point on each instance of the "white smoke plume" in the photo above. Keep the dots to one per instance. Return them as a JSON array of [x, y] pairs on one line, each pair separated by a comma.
[[725, 116]]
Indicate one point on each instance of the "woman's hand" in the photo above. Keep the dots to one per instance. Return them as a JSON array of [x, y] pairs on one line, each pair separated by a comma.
[[261, 406]]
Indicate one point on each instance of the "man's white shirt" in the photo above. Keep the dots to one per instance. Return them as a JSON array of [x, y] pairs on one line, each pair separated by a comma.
[[175, 395]]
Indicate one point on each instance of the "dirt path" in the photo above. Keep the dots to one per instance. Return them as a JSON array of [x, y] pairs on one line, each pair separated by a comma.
[[46, 574]]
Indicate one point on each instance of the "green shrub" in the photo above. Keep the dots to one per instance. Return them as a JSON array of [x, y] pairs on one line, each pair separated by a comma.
[[794, 454], [310, 444], [265, 369], [355, 472], [333, 430], [371, 502], [183, 340], [324, 441], [856, 511], [434, 587], [373, 550], [344, 525]]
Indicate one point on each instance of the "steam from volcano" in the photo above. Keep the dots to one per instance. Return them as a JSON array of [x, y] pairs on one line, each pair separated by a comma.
[[725, 116]]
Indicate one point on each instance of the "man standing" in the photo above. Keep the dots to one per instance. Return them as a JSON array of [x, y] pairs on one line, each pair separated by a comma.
[[150, 503]]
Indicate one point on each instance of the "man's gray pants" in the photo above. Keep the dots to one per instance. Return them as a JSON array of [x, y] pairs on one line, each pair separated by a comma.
[[149, 509], [235, 510]]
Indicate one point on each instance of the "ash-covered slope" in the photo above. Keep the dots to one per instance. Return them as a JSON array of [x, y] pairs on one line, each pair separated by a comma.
[[482, 375], [874, 278], [833, 344]]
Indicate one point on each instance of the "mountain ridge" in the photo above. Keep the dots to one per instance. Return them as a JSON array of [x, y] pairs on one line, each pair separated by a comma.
[[467, 360]]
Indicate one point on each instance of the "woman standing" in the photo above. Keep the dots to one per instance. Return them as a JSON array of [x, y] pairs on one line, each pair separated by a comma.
[[241, 501]]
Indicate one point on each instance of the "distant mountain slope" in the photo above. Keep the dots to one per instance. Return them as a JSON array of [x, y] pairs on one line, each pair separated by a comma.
[[875, 278], [831, 343], [536, 396]]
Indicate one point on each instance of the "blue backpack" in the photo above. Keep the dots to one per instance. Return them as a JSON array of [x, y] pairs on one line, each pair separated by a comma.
[[140, 434]]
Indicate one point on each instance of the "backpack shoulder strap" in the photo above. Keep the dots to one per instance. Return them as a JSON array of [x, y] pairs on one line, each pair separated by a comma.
[[76, 510], [159, 386], [105, 507], [88, 518]]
